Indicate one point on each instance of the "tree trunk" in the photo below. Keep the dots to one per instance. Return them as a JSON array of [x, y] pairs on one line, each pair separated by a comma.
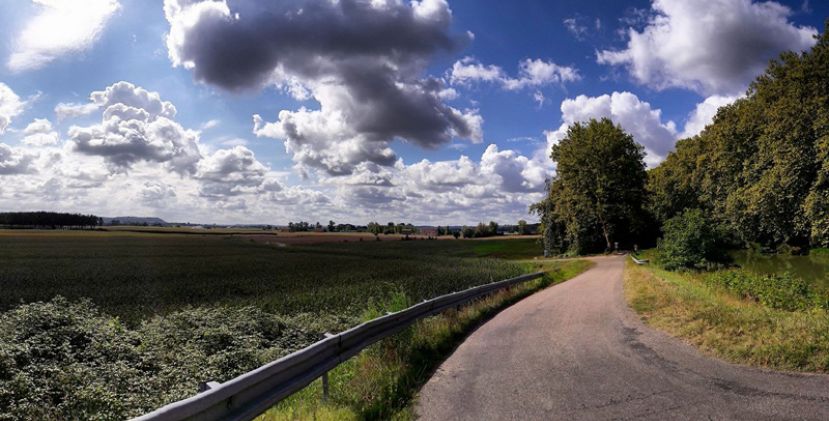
[[607, 237]]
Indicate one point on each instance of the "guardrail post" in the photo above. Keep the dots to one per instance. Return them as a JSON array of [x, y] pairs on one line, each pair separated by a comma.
[[325, 377], [325, 387], [205, 386]]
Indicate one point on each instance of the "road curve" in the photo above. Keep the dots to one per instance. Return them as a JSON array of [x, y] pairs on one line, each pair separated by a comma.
[[576, 351]]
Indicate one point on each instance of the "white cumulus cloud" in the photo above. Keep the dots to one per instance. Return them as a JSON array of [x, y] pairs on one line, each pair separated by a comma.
[[635, 116], [60, 28], [714, 47], [40, 133], [10, 106], [136, 125], [531, 73], [703, 114]]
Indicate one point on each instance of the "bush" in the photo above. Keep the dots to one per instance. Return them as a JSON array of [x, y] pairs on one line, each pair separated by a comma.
[[783, 292], [65, 360], [215, 344], [689, 242], [61, 360]]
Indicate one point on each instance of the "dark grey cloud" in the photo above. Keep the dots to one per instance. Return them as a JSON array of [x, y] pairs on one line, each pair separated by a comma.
[[237, 44], [363, 61]]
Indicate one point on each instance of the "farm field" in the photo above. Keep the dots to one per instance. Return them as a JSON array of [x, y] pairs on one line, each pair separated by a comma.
[[141, 317], [134, 275]]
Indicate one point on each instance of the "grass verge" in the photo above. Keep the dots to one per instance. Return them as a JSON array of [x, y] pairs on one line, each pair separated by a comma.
[[724, 325], [382, 381]]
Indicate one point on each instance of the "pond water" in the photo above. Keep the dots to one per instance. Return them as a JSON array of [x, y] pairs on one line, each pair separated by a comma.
[[814, 267]]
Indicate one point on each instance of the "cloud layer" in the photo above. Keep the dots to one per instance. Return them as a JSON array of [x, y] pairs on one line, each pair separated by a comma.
[[60, 28], [140, 160], [709, 46], [362, 61], [532, 73]]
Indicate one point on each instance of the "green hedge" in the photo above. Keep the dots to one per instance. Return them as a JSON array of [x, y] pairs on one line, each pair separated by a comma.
[[780, 291], [67, 360]]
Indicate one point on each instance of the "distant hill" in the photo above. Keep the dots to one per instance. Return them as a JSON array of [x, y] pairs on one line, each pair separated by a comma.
[[135, 220]]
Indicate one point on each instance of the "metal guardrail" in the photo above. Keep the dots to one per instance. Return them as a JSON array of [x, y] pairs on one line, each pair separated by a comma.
[[252, 393], [638, 261]]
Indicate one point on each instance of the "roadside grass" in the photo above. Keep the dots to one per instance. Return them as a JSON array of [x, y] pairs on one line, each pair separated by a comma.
[[381, 382], [508, 249], [727, 326], [820, 251]]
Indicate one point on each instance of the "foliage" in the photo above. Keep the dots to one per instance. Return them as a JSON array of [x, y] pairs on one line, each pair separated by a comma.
[[689, 242], [216, 343], [301, 226], [761, 170], [48, 219], [779, 291], [64, 360], [374, 228], [399, 228], [738, 330], [482, 230], [522, 227], [59, 360], [598, 193]]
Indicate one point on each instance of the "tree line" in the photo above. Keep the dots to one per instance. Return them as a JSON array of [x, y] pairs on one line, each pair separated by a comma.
[[757, 175], [49, 220]]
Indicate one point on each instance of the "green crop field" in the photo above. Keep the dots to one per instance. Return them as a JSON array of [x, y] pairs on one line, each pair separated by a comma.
[[111, 324], [135, 275]]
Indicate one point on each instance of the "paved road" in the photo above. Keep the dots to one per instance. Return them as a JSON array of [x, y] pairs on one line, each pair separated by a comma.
[[576, 351]]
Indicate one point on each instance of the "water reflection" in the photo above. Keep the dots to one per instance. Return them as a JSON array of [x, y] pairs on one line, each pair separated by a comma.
[[814, 267]]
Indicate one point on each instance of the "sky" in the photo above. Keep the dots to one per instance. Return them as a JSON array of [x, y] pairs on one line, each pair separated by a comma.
[[426, 111]]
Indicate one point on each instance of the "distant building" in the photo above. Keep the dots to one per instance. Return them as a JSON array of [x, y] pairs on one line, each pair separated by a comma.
[[428, 231]]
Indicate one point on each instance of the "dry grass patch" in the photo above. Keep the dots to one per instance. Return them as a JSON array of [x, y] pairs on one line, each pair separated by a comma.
[[726, 326]]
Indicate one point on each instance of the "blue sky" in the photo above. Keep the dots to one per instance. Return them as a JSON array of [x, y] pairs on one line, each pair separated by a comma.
[[656, 68]]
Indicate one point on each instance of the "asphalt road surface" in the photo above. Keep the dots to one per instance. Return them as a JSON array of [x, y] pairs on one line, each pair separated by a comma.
[[576, 351]]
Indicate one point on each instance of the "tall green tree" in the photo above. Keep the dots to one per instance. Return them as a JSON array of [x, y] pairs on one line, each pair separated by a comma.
[[598, 195], [760, 169]]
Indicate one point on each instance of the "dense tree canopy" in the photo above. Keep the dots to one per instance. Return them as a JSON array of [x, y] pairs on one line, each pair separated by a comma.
[[48, 220], [761, 170], [598, 193]]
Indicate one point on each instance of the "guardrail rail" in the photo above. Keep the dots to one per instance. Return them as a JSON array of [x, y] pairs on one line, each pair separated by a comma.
[[639, 261], [252, 393]]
